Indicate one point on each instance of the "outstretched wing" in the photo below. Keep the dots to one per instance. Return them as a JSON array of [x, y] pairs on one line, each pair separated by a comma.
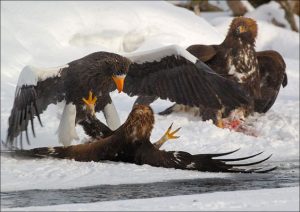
[[273, 75], [173, 73], [200, 162], [36, 89]]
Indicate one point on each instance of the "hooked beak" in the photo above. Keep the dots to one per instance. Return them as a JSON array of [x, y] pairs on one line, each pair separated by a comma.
[[242, 29], [119, 80]]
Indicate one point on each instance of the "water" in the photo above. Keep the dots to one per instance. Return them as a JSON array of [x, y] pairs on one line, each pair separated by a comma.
[[287, 175]]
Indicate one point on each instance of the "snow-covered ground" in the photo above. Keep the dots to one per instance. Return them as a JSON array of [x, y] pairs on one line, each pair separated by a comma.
[[282, 199], [50, 34]]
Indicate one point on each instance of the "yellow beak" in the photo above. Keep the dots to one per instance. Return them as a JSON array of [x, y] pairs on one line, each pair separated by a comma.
[[119, 80]]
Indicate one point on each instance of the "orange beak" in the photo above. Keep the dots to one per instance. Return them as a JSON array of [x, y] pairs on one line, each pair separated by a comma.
[[119, 80]]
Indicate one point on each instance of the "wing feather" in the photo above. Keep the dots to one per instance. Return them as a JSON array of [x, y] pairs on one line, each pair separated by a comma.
[[36, 89], [200, 162], [273, 75], [177, 78], [203, 52]]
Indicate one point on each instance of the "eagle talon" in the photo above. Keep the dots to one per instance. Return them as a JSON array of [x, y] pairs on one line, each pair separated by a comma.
[[90, 103], [171, 135], [168, 135], [220, 123]]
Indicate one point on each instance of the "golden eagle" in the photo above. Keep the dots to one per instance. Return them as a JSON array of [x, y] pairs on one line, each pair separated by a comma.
[[131, 143], [259, 74]]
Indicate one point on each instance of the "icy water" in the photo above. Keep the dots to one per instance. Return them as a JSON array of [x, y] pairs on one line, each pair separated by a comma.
[[285, 176]]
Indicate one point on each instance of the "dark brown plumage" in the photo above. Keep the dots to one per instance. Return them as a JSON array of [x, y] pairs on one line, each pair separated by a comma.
[[169, 73], [131, 143], [93, 72], [260, 74]]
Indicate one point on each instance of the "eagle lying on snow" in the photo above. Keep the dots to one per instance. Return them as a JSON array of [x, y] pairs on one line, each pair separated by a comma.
[[169, 73], [96, 129], [131, 143], [259, 74]]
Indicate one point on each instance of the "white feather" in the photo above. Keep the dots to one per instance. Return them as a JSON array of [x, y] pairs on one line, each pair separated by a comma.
[[159, 53], [66, 129], [112, 116], [30, 75]]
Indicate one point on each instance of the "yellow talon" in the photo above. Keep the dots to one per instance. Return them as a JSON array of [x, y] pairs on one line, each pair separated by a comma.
[[90, 103], [90, 100], [220, 123], [171, 135], [167, 136]]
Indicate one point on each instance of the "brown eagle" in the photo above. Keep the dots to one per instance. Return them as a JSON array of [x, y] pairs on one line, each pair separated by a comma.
[[260, 74], [170, 73], [94, 128], [131, 143]]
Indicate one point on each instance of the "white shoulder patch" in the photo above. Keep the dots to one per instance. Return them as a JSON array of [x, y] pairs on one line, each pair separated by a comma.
[[159, 53], [30, 75]]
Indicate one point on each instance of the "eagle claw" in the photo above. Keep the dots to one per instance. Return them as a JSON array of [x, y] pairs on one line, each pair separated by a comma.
[[168, 135], [90, 103], [171, 135]]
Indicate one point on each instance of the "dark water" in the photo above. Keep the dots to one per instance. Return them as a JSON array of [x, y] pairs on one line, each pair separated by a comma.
[[287, 175]]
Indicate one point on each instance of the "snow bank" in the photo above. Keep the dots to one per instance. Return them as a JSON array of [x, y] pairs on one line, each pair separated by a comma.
[[271, 13], [282, 199]]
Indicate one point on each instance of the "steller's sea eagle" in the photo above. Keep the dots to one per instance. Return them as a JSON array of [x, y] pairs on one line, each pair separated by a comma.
[[169, 72], [131, 143], [260, 74]]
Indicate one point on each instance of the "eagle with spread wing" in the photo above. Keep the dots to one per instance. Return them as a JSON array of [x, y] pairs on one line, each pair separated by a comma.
[[169, 73], [131, 143], [259, 74]]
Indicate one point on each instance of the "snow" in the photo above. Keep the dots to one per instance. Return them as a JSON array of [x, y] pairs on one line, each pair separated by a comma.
[[269, 37], [65, 174], [282, 199], [65, 31], [272, 12]]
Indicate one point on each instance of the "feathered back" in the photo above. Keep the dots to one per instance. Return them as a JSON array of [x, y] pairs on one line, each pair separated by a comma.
[[139, 123]]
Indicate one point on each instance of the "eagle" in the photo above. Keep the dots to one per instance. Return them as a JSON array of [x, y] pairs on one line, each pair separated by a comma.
[[259, 74], [169, 72], [94, 128], [131, 143]]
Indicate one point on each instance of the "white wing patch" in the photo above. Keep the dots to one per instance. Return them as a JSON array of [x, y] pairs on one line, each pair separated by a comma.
[[66, 129], [159, 53], [176, 155], [191, 165], [30, 75]]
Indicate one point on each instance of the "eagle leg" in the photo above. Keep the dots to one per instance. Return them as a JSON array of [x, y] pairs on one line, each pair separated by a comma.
[[90, 103], [168, 135]]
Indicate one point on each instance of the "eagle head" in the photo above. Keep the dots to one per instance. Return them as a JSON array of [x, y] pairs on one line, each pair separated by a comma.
[[118, 69], [244, 28], [139, 123]]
